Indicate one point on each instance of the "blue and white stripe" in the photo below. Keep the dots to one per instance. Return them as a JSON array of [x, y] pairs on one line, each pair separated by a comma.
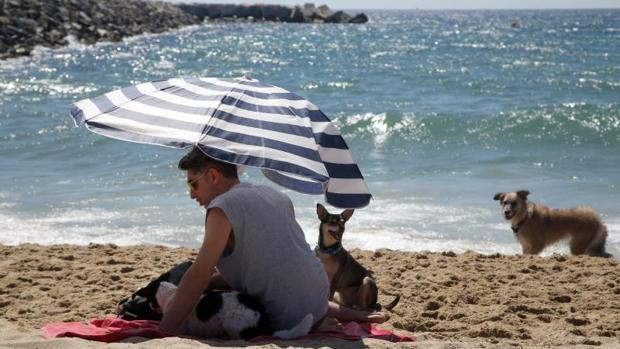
[[241, 121]]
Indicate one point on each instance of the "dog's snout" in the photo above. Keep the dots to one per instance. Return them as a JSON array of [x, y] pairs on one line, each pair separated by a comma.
[[508, 212]]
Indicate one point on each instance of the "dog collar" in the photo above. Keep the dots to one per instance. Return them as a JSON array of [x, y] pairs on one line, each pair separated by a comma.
[[332, 250], [516, 228]]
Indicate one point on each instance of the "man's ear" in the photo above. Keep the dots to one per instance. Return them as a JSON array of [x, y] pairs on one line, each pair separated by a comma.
[[523, 194], [346, 214], [499, 196], [321, 212], [214, 175]]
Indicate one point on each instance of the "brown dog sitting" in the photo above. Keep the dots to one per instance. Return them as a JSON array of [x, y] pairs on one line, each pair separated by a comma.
[[536, 226], [350, 283]]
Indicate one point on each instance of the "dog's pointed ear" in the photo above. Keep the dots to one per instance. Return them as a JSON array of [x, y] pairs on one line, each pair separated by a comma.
[[321, 212], [499, 196], [346, 214], [523, 194]]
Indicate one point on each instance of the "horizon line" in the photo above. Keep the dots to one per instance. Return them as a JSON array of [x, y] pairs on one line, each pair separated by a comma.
[[484, 9]]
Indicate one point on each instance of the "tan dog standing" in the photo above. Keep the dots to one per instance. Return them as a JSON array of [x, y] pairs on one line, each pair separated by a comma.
[[350, 283], [536, 226]]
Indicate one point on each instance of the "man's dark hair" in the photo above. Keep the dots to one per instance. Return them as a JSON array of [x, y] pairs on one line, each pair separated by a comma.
[[198, 161]]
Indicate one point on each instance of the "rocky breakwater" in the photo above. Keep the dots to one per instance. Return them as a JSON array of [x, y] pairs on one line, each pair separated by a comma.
[[25, 24], [308, 13]]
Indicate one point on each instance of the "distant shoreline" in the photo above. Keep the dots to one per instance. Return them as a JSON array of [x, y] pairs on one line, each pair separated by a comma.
[[25, 25]]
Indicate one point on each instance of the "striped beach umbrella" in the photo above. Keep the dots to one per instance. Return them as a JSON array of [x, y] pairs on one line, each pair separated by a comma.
[[241, 121]]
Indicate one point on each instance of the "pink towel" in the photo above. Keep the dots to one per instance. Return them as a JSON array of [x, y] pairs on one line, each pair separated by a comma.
[[109, 329], [112, 329], [351, 331]]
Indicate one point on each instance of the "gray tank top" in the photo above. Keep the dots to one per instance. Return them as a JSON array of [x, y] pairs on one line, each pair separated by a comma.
[[271, 259]]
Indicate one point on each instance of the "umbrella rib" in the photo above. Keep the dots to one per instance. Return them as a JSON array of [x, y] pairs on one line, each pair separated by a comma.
[[208, 123]]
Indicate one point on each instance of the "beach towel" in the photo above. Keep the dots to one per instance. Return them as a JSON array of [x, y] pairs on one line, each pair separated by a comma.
[[350, 331], [113, 329], [109, 329]]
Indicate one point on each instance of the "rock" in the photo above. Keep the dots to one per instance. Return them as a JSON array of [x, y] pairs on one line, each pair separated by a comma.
[[26, 24], [227, 10], [338, 17], [241, 11], [11, 30], [309, 11], [55, 37], [14, 3], [325, 11], [359, 18], [276, 12], [245, 11], [255, 12], [296, 16], [76, 26]]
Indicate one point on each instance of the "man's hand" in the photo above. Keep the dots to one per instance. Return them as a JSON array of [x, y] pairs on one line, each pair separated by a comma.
[[342, 313]]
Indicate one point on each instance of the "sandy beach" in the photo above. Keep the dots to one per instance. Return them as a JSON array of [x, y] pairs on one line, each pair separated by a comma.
[[448, 300]]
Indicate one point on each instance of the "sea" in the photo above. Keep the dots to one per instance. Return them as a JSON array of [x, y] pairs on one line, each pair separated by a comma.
[[441, 110]]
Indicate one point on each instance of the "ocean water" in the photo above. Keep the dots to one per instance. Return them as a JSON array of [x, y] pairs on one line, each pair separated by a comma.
[[441, 109]]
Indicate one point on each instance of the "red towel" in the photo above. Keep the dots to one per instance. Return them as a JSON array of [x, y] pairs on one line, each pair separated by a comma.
[[112, 329]]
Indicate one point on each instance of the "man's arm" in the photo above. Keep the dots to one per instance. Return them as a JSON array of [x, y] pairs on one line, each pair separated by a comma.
[[196, 278], [218, 283]]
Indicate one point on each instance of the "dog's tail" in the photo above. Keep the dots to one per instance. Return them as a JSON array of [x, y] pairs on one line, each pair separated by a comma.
[[597, 247], [393, 303], [377, 306]]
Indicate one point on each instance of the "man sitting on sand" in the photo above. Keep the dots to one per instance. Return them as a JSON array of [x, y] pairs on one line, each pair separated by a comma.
[[251, 235]]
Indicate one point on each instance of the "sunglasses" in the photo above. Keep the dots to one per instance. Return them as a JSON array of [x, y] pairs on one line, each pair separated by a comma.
[[193, 184]]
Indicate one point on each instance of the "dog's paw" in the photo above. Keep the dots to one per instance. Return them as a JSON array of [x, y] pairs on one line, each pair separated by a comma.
[[165, 291]]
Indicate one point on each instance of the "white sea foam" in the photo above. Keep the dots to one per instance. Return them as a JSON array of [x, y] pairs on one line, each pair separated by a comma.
[[410, 224], [405, 223], [82, 227], [402, 225], [376, 125], [613, 231]]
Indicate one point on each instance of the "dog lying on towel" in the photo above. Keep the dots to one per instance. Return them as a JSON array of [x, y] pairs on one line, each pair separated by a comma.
[[228, 314], [224, 314], [536, 226]]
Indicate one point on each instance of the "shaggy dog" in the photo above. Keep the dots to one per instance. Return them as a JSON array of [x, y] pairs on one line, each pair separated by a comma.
[[536, 226]]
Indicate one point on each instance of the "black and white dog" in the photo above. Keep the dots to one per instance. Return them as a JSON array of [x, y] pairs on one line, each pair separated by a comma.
[[228, 314], [223, 314]]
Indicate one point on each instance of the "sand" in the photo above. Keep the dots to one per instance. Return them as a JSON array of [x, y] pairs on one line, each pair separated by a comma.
[[448, 300]]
